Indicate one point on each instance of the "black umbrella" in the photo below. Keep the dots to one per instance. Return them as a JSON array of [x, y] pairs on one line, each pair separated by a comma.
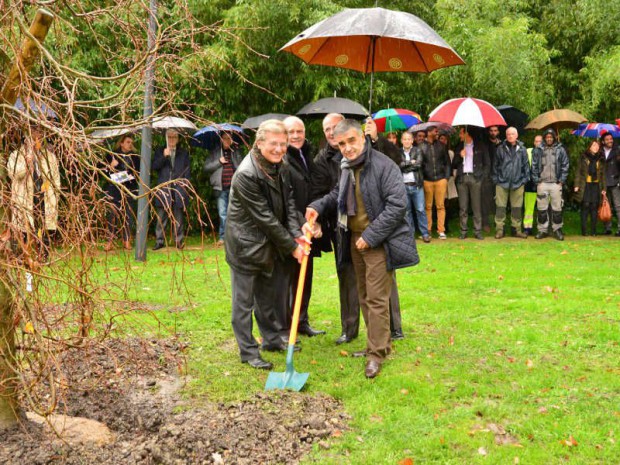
[[255, 121], [514, 116], [320, 108]]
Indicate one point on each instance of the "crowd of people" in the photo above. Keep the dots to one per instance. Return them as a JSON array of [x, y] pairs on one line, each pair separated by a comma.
[[362, 196]]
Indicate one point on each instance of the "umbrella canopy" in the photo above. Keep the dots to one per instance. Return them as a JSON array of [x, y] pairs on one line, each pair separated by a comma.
[[513, 116], [596, 130], [557, 119], [210, 137], [467, 112], [374, 39], [320, 108], [35, 108], [395, 119], [255, 121], [173, 122], [102, 134], [424, 127]]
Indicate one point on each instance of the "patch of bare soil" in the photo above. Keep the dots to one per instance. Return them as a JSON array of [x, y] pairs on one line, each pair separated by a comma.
[[131, 388]]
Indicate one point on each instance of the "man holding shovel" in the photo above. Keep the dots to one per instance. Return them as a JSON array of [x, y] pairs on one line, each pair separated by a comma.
[[263, 227], [371, 203]]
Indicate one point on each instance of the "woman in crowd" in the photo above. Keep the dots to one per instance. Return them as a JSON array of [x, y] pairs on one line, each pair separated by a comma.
[[122, 167], [589, 183]]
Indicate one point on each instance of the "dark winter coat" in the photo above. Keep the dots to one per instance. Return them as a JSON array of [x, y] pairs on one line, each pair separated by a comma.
[[175, 193], [561, 165], [581, 174], [413, 165], [435, 161], [612, 166], [385, 200], [301, 174], [262, 221], [482, 164], [510, 171]]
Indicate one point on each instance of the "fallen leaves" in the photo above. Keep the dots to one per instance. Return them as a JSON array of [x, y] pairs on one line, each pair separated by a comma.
[[570, 442], [406, 461]]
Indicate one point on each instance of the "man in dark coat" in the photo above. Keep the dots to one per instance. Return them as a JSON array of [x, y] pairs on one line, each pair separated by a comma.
[[301, 167], [262, 230], [550, 166], [471, 162], [172, 165], [221, 164], [371, 204], [611, 154], [511, 170], [487, 192]]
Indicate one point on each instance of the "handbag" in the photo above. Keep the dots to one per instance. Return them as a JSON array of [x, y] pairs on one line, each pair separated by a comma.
[[604, 209]]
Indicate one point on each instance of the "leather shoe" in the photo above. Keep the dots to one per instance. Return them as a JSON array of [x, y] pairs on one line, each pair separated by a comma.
[[479, 236], [372, 368], [307, 330], [397, 335], [342, 339], [541, 235], [426, 238], [282, 347], [180, 245], [463, 236], [521, 235], [158, 246], [259, 363], [559, 235]]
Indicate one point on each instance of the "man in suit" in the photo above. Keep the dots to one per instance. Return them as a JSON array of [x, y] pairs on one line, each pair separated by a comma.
[[262, 230], [172, 165]]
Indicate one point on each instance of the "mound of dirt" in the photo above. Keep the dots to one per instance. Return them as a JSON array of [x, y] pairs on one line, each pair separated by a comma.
[[131, 387]]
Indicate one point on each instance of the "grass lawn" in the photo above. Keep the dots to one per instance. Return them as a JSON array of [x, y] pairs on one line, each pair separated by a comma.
[[511, 352]]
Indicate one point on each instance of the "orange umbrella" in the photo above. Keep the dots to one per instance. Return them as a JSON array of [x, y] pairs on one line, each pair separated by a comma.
[[374, 39]]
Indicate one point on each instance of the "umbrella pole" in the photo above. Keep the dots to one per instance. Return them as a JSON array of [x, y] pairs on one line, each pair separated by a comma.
[[372, 71]]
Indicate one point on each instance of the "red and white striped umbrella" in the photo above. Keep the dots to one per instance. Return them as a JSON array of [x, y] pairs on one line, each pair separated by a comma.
[[467, 112]]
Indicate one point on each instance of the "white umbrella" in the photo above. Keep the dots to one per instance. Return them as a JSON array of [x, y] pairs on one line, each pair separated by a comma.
[[173, 122], [109, 133]]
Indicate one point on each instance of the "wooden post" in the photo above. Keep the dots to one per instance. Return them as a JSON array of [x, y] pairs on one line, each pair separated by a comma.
[[27, 56]]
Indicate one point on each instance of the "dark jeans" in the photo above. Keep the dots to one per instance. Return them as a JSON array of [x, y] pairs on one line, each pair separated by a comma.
[[416, 206], [469, 194]]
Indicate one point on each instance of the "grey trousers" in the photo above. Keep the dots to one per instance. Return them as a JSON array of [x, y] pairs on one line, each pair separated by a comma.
[[250, 294], [469, 194], [516, 206], [613, 195], [487, 200], [177, 225], [549, 193]]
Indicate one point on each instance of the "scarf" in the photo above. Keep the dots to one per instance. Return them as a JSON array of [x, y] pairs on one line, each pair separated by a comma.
[[347, 205], [270, 170], [592, 159]]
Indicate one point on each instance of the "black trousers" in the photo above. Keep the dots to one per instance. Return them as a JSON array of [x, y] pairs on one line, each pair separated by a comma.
[[251, 295], [178, 227]]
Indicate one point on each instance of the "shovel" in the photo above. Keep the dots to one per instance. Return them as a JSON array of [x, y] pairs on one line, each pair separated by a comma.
[[290, 379]]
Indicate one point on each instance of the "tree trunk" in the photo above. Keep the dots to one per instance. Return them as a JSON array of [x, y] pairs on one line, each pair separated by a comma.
[[9, 407]]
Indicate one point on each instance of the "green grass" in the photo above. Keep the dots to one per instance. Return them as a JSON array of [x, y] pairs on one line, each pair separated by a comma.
[[522, 334]]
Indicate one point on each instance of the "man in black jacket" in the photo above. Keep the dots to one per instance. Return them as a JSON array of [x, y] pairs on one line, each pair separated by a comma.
[[371, 206], [301, 167], [436, 171], [511, 170], [262, 229], [549, 171], [172, 165], [471, 162], [487, 192], [611, 154]]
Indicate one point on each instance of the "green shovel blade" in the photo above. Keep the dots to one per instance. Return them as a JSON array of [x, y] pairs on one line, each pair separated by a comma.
[[290, 379]]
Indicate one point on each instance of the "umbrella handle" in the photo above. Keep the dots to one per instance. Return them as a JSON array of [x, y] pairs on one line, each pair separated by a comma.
[[300, 291]]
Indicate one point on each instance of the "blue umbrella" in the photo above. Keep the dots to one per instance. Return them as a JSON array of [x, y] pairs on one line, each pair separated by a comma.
[[35, 108], [596, 130], [210, 137]]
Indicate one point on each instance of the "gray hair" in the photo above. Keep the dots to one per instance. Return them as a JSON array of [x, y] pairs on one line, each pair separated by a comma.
[[346, 125], [511, 128], [333, 115], [171, 132], [272, 126]]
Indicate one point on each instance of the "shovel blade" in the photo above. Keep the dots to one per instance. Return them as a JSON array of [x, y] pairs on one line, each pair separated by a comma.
[[289, 379]]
